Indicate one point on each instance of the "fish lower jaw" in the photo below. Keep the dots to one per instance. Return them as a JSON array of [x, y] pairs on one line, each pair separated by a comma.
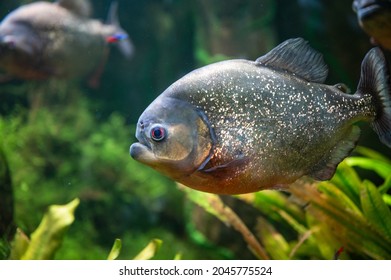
[[142, 153]]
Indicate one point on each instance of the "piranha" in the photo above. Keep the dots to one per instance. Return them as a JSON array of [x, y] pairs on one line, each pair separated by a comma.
[[241, 126], [44, 40], [374, 17]]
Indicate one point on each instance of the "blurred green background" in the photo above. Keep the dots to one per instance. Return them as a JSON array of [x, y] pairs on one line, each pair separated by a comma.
[[63, 140]]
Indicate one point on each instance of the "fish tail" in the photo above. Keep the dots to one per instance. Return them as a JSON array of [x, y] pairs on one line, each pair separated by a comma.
[[121, 37], [375, 80]]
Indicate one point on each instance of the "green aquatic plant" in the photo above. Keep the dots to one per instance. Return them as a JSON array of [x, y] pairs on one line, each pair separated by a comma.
[[47, 238], [145, 254], [347, 217], [149, 251], [215, 206], [115, 250]]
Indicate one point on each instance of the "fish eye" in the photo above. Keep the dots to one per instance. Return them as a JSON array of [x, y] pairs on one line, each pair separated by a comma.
[[158, 133]]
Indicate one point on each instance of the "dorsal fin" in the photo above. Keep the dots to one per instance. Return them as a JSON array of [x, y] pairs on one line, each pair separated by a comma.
[[298, 58], [80, 7]]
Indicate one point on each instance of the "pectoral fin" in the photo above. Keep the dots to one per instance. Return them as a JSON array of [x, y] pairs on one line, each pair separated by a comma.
[[225, 170]]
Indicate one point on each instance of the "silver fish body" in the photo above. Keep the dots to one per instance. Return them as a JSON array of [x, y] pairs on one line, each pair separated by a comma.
[[45, 40], [260, 124]]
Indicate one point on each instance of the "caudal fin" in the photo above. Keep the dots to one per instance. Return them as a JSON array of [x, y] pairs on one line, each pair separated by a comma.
[[124, 44], [375, 80]]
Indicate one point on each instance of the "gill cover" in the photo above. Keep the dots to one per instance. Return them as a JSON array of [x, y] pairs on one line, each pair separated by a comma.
[[188, 137]]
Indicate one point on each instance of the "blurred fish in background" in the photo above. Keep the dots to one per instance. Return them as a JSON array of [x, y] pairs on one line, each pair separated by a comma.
[[44, 40], [374, 17]]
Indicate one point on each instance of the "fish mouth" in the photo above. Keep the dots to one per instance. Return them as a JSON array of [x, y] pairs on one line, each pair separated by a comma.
[[142, 150], [371, 8], [138, 151], [142, 153]]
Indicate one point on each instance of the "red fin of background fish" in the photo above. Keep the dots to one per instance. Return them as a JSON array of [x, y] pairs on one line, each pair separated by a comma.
[[116, 38], [120, 36]]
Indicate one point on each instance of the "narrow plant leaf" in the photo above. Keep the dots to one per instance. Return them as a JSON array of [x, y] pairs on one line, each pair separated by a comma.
[[322, 234], [353, 231], [305, 246], [300, 228], [270, 202], [387, 199], [386, 185], [380, 167], [47, 238], [212, 204], [369, 153], [335, 193], [375, 209], [348, 181], [115, 250], [150, 250], [19, 245], [275, 244]]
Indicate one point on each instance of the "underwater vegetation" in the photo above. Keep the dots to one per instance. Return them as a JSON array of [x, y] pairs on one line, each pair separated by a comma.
[[69, 190]]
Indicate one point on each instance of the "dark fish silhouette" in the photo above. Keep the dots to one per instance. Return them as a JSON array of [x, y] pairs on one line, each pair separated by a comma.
[[241, 126], [374, 16], [45, 40]]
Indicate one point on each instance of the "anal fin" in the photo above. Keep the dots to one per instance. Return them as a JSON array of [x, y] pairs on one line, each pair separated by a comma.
[[325, 169]]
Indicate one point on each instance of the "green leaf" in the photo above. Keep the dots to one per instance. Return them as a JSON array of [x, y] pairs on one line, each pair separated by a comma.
[[348, 181], [353, 231], [150, 250], [369, 153], [379, 166], [275, 244], [336, 194], [47, 238], [115, 250], [19, 245], [375, 209], [387, 199], [321, 235], [270, 203], [386, 185], [215, 206], [300, 228]]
